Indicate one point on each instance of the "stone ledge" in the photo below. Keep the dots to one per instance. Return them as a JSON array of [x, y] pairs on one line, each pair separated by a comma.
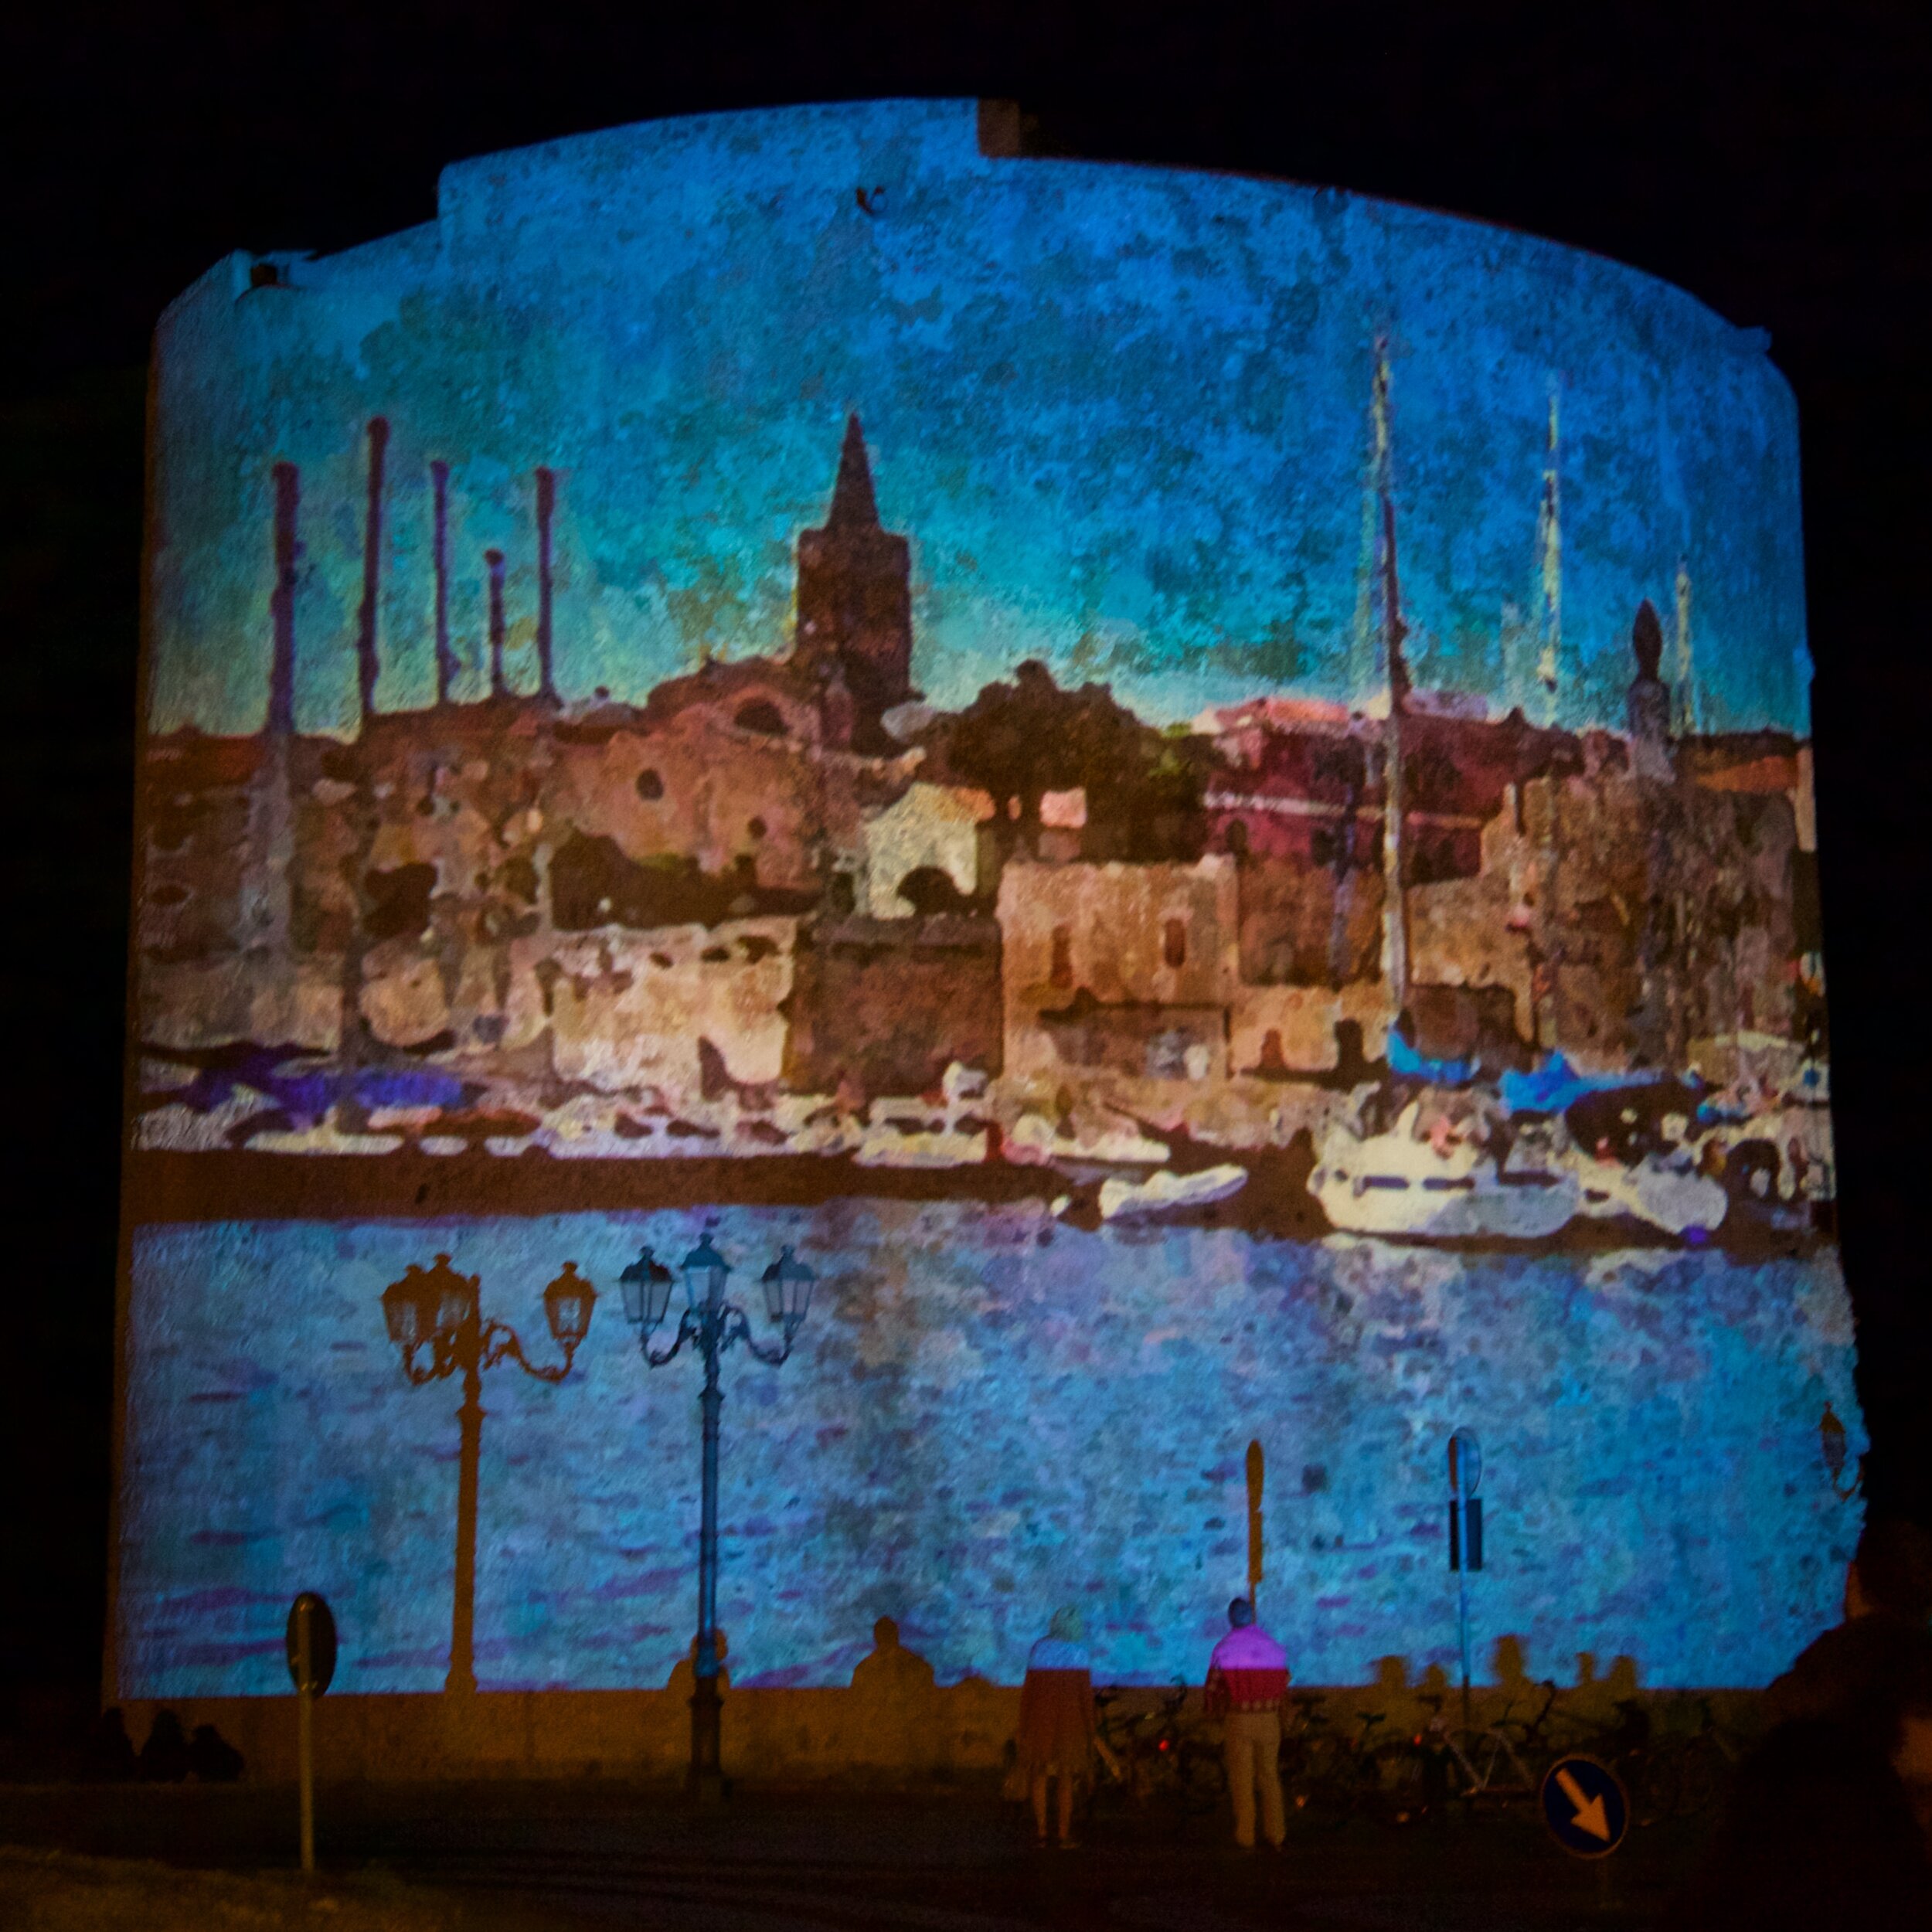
[[893, 1737]]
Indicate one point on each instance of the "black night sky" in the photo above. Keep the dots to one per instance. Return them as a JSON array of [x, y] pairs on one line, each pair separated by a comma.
[[1780, 172]]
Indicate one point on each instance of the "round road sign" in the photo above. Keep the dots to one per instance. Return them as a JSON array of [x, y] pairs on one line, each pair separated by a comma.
[[1585, 1806], [309, 1607]]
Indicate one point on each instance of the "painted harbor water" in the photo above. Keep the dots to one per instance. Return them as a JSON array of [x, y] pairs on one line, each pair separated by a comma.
[[989, 1413]]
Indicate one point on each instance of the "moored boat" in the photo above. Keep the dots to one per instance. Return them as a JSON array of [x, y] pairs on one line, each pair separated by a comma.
[[1666, 1190], [1403, 1185], [1120, 1199]]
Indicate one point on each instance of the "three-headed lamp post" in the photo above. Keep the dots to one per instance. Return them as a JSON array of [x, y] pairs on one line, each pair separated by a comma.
[[712, 1325], [438, 1311]]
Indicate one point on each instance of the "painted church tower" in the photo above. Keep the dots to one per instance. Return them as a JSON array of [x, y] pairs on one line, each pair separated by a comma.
[[1647, 709], [855, 598]]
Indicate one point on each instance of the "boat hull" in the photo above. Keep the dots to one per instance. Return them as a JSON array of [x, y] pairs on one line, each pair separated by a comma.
[[1391, 1186], [1680, 1202]]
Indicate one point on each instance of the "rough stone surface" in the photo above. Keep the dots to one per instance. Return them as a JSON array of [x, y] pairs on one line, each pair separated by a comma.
[[989, 1414]]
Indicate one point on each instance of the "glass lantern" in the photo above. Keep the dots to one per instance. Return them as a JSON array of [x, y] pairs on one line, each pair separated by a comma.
[[452, 1296], [705, 1269], [646, 1283], [408, 1309], [567, 1306], [788, 1285]]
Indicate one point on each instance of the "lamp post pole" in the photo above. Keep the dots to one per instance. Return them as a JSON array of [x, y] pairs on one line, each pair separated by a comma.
[[440, 1310], [706, 1715], [1465, 1538], [711, 1325], [462, 1673]]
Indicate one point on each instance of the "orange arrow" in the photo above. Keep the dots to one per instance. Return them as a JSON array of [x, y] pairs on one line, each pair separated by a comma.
[[1590, 1815]]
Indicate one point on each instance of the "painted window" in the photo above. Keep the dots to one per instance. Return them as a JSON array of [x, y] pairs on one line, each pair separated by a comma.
[[763, 715], [1062, 967]]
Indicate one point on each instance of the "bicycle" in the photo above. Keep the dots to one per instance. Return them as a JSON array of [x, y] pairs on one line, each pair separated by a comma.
[[1691, 1771], [1623, 1743], [1531, 1735], [1333, 1779], [1303, 1736], [1483, 1764], [1190, 1770], [1165, 1763]]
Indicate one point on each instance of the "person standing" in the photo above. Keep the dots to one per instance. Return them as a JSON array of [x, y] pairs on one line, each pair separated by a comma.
[[1885, 1637], [1058, 1737], [1247, 1679], [1825, 1825]]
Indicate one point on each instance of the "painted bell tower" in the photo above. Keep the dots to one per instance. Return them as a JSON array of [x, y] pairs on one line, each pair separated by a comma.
[[855, 598]]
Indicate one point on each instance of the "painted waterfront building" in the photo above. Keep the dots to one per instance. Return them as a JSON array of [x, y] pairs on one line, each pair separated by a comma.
[[1004, 732]]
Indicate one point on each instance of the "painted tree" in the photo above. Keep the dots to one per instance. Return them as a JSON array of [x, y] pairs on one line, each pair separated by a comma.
[[1020, 740]]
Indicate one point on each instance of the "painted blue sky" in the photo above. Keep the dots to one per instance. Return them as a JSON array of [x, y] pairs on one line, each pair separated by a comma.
[[1122, 413]]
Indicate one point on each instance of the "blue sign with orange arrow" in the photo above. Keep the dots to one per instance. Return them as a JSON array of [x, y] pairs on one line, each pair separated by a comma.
[[1585, 1806]]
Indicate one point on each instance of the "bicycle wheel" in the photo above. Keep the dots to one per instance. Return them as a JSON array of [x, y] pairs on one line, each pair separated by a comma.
[[1460, 1776], [1506, 1780], [1703, 1775], [1330, 1792], [1651, 1781], [1472, 1764], [1201, 1777], [1402, 1786]]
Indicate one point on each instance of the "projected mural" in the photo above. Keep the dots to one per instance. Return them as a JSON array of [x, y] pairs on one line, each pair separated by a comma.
[[1197, 788]]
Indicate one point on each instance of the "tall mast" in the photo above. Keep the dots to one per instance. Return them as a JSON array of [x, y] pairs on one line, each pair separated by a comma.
[[1549, 565], [1686, 694], [1366, 642], [1394, 924]]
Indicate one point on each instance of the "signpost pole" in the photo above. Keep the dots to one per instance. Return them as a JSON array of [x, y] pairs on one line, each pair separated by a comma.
[[1465, 1539], [1256, 1476], [1462, 1605], [310, 1640], [305, 1745]]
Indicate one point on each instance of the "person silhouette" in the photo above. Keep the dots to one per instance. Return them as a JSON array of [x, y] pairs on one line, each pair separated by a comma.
[[1058, 1737], [1248, 1678]]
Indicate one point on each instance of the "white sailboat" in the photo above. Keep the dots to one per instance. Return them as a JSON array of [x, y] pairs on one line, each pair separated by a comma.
[[1409, 1185]]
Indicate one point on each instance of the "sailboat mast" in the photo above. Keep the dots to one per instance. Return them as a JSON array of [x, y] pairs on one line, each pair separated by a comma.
[[1366, 644], [1686, 720], [1394, 840], [1381, 585], [1549, 564]]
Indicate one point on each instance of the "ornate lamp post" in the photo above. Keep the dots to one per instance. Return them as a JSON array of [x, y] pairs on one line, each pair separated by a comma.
[[712, 1325], [437, 1309]]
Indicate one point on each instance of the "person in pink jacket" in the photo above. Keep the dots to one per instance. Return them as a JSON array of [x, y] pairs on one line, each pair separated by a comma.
[[1247, 1679]]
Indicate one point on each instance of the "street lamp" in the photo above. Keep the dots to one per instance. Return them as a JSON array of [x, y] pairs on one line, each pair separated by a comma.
[[437, 1309], [712, 1325], [1831, 1433]]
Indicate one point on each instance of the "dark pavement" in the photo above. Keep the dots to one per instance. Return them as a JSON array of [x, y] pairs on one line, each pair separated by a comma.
[[768, 1862]]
